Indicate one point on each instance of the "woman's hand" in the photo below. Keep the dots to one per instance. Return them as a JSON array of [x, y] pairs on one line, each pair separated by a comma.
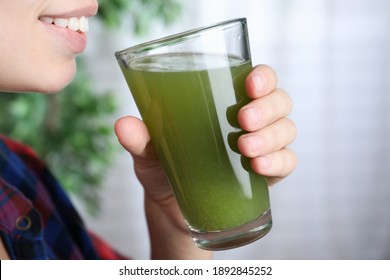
[[269, 134], [270, 131]]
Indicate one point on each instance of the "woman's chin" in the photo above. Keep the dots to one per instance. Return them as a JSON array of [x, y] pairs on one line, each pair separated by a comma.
[[56, 83]]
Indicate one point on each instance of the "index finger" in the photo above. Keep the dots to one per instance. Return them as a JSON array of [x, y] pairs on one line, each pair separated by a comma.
[[261, 81]]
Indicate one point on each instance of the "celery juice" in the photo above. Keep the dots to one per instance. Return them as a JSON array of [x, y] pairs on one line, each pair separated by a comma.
[[189, 103]]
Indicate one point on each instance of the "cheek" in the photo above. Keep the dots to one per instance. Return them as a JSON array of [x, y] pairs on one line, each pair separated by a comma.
[[38, 64]]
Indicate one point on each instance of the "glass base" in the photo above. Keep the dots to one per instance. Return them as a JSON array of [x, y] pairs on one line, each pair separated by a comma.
[[235, 237]]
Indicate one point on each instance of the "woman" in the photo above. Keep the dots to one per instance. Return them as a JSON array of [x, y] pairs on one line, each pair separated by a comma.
[[41, 39]]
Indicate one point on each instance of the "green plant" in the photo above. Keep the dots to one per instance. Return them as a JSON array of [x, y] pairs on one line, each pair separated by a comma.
[[71, 130], [142, 13]]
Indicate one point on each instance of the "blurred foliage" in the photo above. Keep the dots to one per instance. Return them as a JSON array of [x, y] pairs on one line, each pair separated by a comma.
[[142, 13], [71, 130]]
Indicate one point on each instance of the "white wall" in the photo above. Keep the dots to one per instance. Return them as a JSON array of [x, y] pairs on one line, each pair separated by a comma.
[[333, 57]]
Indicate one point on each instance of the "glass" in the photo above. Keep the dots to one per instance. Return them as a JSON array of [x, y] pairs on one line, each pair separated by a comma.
[[189, 88]]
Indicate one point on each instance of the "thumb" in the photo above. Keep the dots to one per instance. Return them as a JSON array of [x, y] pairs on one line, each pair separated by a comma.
[[134, 137]]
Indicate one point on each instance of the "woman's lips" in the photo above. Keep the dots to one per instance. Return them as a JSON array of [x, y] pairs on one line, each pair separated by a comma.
[[71, 31]]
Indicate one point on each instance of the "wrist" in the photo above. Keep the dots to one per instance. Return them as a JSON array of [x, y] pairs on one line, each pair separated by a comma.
[[169, 235]]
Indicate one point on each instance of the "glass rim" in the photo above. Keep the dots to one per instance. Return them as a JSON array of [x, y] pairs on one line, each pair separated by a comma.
[[179, 37]]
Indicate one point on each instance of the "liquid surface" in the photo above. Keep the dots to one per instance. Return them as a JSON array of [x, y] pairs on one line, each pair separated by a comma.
[[183, 62], [192, 117]]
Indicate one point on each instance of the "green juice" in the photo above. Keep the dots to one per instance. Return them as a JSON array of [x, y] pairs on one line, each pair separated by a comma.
[[189, 103]]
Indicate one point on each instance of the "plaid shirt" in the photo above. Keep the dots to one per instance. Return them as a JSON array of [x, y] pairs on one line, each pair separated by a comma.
[[37, 219]]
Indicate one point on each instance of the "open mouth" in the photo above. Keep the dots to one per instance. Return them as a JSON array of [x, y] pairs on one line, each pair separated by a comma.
[[74, 23]]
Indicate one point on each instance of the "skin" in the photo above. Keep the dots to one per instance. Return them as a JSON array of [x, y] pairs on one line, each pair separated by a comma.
[[39, 59]]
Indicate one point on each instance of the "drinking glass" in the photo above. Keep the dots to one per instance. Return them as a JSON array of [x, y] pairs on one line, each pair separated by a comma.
[[189, 88]]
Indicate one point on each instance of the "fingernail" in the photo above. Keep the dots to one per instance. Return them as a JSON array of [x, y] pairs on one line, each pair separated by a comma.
[[254, 143], [265, 162], [253, 114], [258, 82]]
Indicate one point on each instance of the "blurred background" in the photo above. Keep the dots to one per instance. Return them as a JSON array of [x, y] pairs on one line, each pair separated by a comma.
[[333, 57]]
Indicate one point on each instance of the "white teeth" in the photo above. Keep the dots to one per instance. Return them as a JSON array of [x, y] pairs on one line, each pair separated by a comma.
[[84, 25], [62, 22], [73, 23], [47, 19]]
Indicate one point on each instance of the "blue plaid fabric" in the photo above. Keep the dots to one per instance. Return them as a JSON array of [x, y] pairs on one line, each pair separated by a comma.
[[37, 219]]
